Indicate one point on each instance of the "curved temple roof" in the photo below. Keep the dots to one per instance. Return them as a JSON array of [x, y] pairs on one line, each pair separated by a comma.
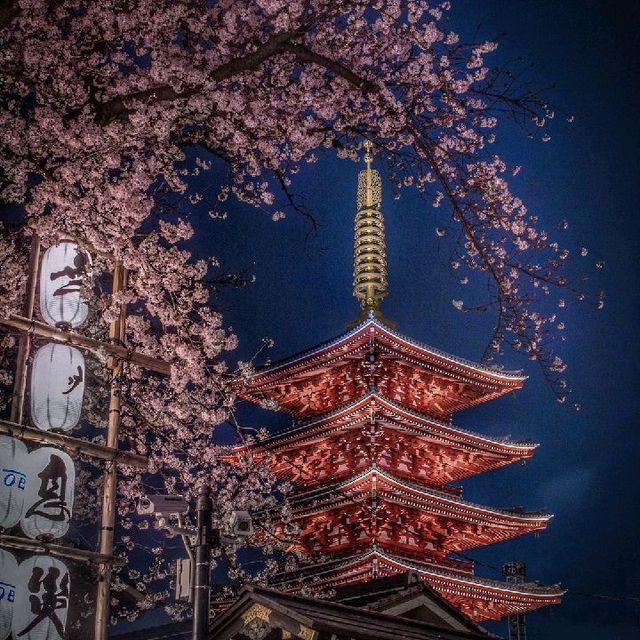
[[337, 372], [425, 448], [353, 485], [425, 523], [479, 598], [337, 420], [382, 329]]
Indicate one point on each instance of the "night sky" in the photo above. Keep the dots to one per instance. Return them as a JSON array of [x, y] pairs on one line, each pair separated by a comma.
[[585, 469]]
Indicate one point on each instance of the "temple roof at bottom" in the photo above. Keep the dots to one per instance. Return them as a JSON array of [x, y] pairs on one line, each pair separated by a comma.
[[374, 357], [286, 615], [478, 598]]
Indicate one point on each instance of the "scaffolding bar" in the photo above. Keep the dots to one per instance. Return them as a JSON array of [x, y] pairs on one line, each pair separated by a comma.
[[22, 368], [73, 445], [69, 337], [37, 546]]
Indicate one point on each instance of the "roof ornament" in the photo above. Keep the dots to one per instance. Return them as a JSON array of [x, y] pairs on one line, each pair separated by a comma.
[[369, 253]]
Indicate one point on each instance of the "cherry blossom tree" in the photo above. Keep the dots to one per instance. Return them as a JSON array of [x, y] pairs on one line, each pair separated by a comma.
[[108, 107]]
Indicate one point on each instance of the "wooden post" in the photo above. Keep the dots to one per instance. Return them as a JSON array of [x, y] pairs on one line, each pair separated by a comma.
[[117, 335], [22, 368]]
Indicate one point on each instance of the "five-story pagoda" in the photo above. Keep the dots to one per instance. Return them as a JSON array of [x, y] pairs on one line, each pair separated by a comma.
[[374, 450]]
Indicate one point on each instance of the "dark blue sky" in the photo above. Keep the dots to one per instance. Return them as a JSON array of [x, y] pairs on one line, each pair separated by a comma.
[[585, 469]]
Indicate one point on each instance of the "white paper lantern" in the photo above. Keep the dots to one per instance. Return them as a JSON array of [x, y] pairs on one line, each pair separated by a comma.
[[13, 480], [42, 599], [8, 582], [48, 501], [61, 272], [57, 387]]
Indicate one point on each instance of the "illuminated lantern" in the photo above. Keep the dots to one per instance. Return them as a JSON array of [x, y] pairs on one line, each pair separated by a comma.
[[57, 387], [61, 272], [8, 581], [48, 501], [42, 599], [13, 480]]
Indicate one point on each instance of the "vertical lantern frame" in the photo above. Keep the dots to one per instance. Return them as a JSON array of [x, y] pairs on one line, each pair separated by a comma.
[[20, 383], [110, 453], [117, 333]]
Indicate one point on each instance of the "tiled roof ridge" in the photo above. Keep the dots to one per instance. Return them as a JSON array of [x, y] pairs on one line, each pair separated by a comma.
[[530, 588], [373, 468], [487, 369], [506, 440]]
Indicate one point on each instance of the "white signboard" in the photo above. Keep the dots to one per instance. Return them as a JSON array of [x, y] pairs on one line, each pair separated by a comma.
[[13, 481], [57, 387], [61, 271], [42, 599]]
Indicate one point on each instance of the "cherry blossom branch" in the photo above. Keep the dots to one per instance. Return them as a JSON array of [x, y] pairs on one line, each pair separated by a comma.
[[9, 10], [304, 54], [123, 105]]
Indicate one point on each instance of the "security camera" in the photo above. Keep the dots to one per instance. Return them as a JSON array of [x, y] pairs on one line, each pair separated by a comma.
[[240, 524], [162, 505]]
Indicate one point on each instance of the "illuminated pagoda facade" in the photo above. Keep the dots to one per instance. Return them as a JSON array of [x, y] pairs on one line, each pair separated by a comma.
[[375, 456]]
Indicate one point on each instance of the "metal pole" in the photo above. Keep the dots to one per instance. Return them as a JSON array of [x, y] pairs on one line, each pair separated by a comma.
[[201, 586], [516, 573], [20, 384], [116, 334]]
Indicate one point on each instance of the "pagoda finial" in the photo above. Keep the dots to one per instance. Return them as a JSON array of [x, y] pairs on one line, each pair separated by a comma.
[[369, 256]]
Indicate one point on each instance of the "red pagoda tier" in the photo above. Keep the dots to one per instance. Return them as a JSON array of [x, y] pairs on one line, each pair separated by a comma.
[[376, 507], [374, 450], [409, 374], [415, 446]]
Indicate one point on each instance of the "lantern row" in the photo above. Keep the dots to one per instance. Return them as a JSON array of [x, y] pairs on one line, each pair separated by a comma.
[[34, 597], [58, 374], [37, 487]]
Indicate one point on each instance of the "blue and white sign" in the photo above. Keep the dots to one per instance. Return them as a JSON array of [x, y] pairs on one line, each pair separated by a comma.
[[8, 582], [13, 480]]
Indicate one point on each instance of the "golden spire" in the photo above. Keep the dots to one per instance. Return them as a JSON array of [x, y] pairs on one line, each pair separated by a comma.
[[369, 255]]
